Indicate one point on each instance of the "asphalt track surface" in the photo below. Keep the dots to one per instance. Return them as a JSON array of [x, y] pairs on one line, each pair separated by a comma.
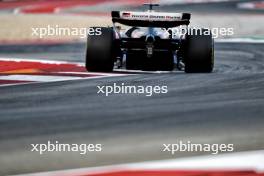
[[226, 106]]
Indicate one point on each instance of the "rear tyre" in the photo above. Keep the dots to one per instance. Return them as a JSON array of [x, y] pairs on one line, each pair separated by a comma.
[[199, 52], [100, 52]]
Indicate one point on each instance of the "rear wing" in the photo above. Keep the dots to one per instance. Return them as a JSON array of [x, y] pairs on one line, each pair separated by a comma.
[[150, 19]]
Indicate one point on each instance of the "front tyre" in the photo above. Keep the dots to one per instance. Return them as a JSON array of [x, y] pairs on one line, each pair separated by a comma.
[[100, 53], [199, 51]]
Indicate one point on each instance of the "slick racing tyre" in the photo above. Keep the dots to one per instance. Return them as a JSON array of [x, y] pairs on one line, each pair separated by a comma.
[[199, 51], [100, 51]]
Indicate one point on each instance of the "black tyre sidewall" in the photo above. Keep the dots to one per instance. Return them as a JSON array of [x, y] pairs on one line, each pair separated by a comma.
[[199, 52], [100, 51]]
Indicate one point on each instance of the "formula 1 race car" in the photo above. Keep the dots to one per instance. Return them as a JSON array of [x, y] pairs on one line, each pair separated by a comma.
[[150, 43]]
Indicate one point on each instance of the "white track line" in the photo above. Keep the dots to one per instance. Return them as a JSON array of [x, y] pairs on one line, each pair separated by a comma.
[[38, 78], [240, 40], [40, 61], [240, 161], [78, 78], [93, 73]]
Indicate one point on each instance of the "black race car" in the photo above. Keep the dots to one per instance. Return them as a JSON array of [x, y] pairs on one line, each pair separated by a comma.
[[150, 43]]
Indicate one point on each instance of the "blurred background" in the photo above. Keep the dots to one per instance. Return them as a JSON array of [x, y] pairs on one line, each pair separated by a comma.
[[223, 107], [19, 17]]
